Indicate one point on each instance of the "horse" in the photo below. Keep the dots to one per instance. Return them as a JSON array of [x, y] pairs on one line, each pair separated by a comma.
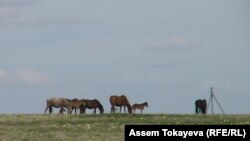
[[140, 106], [201, 106], [92, 104], [77, 104], [120, 101], [58, 103]]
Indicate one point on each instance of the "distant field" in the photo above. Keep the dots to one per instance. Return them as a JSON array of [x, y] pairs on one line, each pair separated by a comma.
[[106, 127]]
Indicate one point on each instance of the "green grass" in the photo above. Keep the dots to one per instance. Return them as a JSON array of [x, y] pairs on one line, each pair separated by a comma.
[[106, 127]]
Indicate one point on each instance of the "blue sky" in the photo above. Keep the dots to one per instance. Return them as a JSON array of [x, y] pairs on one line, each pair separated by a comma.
[[166, 52]]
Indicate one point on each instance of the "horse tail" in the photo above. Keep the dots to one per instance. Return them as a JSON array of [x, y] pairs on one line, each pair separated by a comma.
[[48, 103], [111, 100], [99, 106]]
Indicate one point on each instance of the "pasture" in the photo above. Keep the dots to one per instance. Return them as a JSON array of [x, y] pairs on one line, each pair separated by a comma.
[[104, 127]]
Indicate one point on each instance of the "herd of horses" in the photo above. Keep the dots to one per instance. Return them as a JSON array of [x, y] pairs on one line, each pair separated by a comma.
[[82, 104], [115, 101]]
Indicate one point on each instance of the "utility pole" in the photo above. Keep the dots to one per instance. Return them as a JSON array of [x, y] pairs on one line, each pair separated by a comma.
[[212, 96]]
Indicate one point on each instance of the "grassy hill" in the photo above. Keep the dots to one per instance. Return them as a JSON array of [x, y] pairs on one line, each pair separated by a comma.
[[106, 127]]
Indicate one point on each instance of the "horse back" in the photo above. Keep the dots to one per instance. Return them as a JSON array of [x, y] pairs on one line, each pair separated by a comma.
[[118, 100], [57, 102]]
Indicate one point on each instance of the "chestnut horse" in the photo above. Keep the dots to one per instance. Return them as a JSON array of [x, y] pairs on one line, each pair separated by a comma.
[[92, 104], [140, 106], [120, 101], [58, 103], [201, 106]]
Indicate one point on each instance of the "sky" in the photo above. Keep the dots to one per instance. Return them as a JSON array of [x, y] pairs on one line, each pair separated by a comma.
[[166, 52]]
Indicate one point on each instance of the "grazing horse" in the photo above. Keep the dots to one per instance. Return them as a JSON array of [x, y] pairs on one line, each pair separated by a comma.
[[92, 104], [201, 106], [140, 106], [120, 101], [77, 104], [58, 103]]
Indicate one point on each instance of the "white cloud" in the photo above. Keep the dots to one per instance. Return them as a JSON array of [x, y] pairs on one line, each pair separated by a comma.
[[30, 76]]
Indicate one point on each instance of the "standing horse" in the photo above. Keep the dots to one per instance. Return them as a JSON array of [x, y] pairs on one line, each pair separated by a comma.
[[77, 104], [140, 106], [120, 101], [201, 106], [58, 103], [92, 104]]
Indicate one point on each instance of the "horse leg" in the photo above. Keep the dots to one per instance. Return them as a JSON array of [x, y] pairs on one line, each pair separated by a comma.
[[46, 109], [203, 110], [124, 109], [61, 110], [50, 109], [71, 111], [196, 110], [82, 110], [94, 111]]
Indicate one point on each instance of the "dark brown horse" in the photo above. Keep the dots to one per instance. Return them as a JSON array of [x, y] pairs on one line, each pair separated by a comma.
[[140, 106], [92, 104], [201, 106], [120, 101], [58, 103]]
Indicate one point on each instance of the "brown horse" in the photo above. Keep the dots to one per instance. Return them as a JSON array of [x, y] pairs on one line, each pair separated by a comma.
[[119, 101], [140, 106], [77, 104], [92, 104], [58, 103], [201, 106]]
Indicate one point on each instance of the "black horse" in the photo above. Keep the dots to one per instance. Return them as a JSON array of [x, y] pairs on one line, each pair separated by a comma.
[[201, 106]]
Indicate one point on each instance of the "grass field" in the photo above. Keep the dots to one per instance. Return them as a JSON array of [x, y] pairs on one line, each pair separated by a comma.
[[106, 127]]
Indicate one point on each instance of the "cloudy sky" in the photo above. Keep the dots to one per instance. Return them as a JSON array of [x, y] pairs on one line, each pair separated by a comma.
[[166, 52]]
